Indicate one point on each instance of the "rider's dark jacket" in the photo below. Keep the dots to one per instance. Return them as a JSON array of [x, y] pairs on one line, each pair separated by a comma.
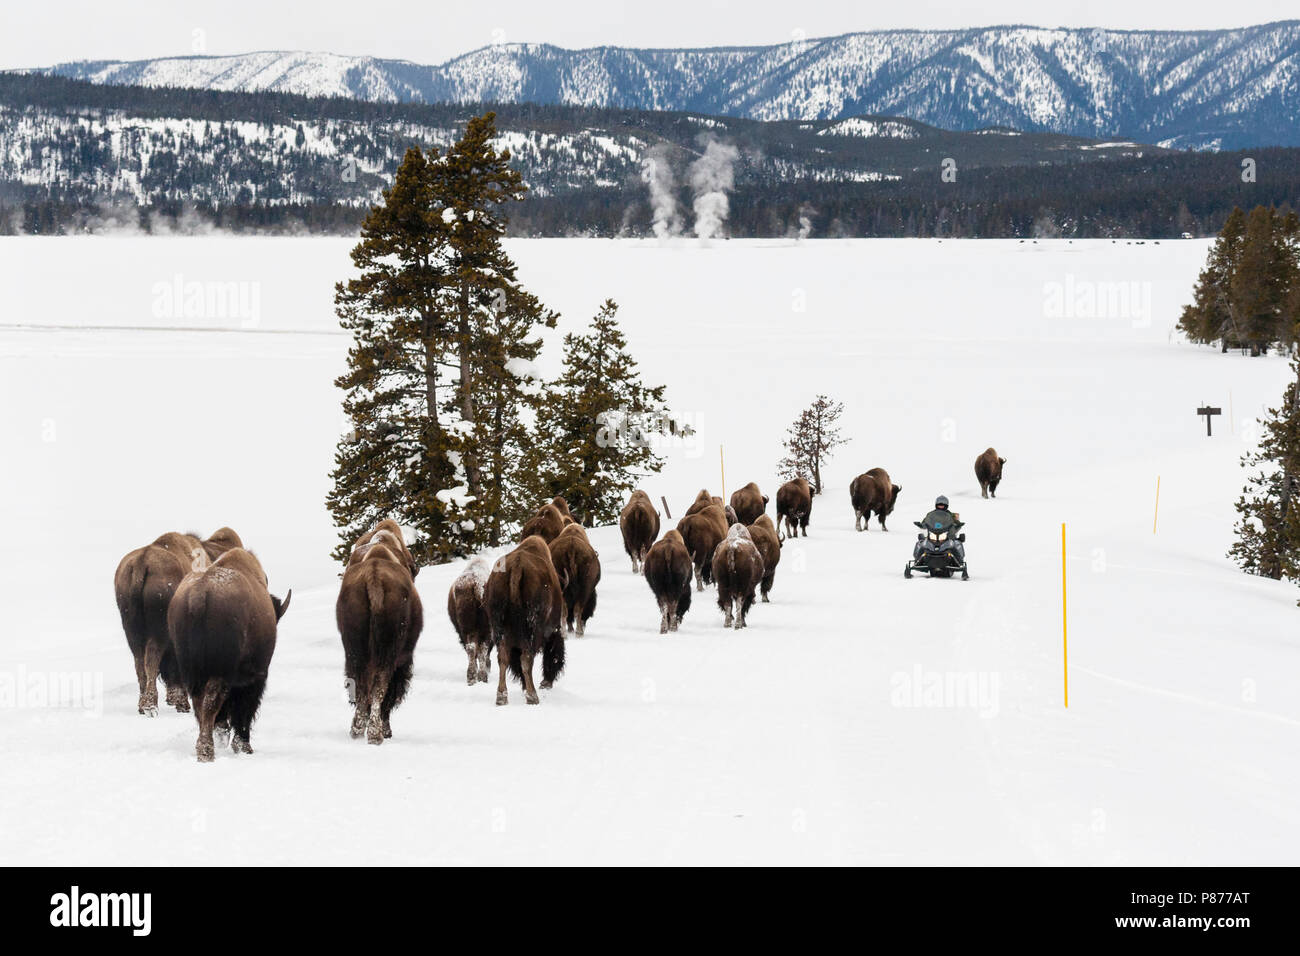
[[941, 520]]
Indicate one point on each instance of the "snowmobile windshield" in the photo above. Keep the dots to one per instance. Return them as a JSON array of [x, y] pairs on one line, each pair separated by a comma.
[[938, 521]]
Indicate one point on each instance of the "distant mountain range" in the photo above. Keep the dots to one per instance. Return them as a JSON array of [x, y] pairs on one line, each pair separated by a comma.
[[1208, 89]]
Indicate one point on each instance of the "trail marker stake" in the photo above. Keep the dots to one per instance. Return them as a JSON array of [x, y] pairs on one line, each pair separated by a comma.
[[666, 511], [1157, 514], [1065, 644]]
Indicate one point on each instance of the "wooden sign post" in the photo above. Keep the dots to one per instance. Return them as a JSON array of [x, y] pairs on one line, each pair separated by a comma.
[[1209, 411]]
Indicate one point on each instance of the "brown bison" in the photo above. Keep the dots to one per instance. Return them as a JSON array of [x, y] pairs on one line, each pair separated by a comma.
[[793, 507], [765, 538], [988, 472], [546, 523], [380, 617], [748, 503], [144, 583], [578, 567], [704, 499], [873, 492], [468, 616], [639, 523], [668, 569], [703, 531], [525, 610], [738, 569], [562, 507], [223, 621], [389, 534]]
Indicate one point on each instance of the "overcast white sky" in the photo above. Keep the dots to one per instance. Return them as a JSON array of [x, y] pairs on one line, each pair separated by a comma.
[[43, 32]]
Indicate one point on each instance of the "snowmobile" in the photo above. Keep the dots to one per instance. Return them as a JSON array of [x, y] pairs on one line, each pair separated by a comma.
[[940, 551]]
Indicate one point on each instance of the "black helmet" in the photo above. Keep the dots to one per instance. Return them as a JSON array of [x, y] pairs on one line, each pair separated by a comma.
[[941, 502]]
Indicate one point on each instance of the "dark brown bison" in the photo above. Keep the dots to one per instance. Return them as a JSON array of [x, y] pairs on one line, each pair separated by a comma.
[[988, 472], [389, 534], [380, 618], [873, 492], [639, 523], [578, 567], [562, 507], [768, 542], [546, 523], [793, 507], [748, 503], [468, 616], [668, 569], [738, 569], [526, 614], [223, 621], [143, 584], [703, 532]]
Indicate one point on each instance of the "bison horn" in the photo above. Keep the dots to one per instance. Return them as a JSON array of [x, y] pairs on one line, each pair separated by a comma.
[[281, 606]]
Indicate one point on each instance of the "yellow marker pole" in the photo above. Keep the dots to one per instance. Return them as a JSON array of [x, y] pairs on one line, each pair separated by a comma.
[[722, 467], [1156, 517], [1065, 644]]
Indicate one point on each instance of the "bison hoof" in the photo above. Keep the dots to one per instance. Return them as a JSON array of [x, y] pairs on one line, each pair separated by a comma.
[[765, 600], [532, 698], [483, 676], [241, 746], [205, 752], [388, 730], [375, 739], [471, 678], [182, 706], [502, 699], [358, 728]]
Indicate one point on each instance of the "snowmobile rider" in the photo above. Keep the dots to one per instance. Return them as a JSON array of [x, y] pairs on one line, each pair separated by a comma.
[[937, 522]]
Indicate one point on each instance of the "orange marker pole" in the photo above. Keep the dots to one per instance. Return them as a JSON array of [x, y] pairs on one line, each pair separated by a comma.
[[1065, 643], [1156, 517]]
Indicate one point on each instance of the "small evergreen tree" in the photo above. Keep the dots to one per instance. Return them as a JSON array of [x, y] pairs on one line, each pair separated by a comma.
[[1268, 529], [597, 425], [810, 441]]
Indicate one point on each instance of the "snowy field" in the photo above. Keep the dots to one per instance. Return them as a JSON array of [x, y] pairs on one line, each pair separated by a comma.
[[817, 735]]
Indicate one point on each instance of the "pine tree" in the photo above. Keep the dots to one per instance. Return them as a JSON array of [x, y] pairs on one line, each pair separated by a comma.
[[810, 441], [1268, 529], [1208, 319], [1255, 288], [598, 425], [436, 297]]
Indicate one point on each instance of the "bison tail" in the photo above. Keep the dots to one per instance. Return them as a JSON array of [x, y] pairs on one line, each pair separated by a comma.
[[383, 635], [553, 657]]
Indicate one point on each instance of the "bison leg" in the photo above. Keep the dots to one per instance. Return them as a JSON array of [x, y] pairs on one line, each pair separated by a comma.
[[379, 680], [857, 520], [176, 697], [552, 660], [579, 616], [767, 586], [636, 565], [526, 662], [881, 517], [503, 665], [397, 688], [141, 680], [362, 713], [993, 489], [484, 661], [206, 708], [665, 617], [153, 655], [726, 609], [699, 578], [746, 601], [472, 671]]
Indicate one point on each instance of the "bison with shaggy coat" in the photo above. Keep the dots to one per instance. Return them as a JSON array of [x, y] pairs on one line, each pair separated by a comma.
[[380, 617], [223, 622], [144, 583], [793, 507], [639, 524], [988, 472], [703, 531], [525, 609], [748, 503], [468, 616], [668, 569], [389, 534], [871, 492], [738, 569], [578, 567]]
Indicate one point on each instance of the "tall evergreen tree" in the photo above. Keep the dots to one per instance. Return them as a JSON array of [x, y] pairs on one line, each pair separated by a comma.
[[441, 329], [598, 426], [811, 440], [1208, 318], [1268, 529]]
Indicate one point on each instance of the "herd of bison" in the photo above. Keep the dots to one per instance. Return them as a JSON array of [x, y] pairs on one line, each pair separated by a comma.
[[200, 615]]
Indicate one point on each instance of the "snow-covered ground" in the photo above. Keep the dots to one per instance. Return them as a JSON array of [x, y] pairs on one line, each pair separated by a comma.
[[814, 736]]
